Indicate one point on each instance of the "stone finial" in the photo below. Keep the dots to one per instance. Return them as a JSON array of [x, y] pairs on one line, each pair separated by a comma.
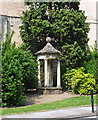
[[48, 39]]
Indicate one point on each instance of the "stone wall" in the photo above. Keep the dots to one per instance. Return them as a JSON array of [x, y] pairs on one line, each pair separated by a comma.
[[9, 24], [12, 8], [11, 12], [90, 7], [97, 24]]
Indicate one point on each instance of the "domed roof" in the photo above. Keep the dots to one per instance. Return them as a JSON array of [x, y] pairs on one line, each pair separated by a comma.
[[48, 49]]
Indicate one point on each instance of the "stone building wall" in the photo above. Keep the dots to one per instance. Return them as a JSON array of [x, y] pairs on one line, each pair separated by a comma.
[[12, 8], [9, 24], [90, 7], [11, 12]]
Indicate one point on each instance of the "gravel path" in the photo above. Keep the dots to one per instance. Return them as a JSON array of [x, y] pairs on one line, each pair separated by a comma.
[[39, 99]]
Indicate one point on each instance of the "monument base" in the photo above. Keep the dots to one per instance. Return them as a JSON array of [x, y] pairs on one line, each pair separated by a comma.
[[51, 90]]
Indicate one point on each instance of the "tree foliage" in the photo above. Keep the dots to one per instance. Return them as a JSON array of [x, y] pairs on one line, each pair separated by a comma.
[[72, 55], [91, 63], [18, 69], [59, 21], [79, 82]]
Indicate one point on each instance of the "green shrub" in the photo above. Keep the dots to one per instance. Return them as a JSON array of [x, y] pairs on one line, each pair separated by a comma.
[[12, 89], [73, 55], [29, 67], [90, 64], [79, 82], [18, 69]]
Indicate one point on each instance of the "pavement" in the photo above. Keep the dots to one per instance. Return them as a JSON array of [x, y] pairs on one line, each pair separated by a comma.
[[74, 113]]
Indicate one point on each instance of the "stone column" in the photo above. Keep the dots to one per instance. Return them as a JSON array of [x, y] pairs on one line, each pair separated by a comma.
[[46, 73], [4, 27], [39, 79], [1, 27], [58, 74], [50, 73]]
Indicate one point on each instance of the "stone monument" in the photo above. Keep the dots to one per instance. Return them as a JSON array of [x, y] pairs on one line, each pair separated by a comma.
[[48, 54]]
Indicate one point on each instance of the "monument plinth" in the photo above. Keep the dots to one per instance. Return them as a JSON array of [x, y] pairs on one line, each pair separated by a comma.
[[48, 54]]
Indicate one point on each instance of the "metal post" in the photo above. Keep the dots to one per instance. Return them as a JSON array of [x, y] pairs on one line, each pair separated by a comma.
[[92, 101]]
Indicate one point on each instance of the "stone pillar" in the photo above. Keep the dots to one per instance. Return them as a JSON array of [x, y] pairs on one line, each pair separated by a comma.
[[58, 74], [50, 73], [46, 73], [39, 79], [1, 27], [4, 27]]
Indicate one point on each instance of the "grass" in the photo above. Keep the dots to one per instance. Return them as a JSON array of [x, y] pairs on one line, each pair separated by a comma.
[[70, 102]]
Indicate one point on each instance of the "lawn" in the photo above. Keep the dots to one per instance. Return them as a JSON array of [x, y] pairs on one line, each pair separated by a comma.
[[70, 102]]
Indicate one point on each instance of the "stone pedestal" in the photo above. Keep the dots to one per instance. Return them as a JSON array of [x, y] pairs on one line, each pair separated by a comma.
[[51, 90]]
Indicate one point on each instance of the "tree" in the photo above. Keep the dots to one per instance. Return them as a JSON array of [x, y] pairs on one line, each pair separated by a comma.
[[54, 20], [62, 21], [72, 55], [18, 72]]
